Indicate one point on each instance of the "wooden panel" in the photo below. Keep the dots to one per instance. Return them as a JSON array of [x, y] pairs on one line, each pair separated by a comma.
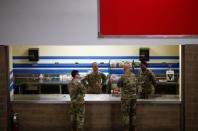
[[43, 117], [191, 90], [4, 96], [99, 116], [158, 117]]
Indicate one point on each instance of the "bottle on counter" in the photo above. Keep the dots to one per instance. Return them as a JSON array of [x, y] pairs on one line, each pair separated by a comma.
[[61, 77], [41, 77]]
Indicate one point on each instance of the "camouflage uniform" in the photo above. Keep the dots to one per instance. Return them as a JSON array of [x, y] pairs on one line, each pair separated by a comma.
[[77, 108], [147, 82], [94, 82], [128, 85]]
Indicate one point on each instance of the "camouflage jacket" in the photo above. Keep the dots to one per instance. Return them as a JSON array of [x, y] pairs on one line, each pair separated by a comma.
[[129, 86], [94, 82], [147, 79], [76, 91]]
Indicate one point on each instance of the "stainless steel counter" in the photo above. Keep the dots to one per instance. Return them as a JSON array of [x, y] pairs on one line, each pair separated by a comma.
[[55, 82], [44, 82], [167, 83], [95, 98]]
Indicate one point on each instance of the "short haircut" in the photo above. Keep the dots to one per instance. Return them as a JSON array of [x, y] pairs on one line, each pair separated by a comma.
[[74, 73], [127, 63], [94, 63], [144, 63]]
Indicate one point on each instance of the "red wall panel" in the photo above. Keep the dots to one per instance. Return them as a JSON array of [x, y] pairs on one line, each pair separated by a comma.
[[148, 17]]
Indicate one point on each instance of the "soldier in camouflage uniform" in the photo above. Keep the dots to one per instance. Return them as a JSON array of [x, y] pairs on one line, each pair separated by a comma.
[[94, 81], [77, 108], [129, 88], [147, 81]]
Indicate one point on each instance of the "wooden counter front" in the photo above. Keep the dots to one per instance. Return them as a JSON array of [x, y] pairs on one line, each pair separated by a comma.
[[101, 115]]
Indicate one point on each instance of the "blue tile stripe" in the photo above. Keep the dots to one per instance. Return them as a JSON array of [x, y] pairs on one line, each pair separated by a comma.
[[11, 72], [11, 80], [112, 71], [96, 57], [160, 71], [11, 86], [161, 65], [65, 65], [87, 65], [163, 57], [54, 71], [47, 66]]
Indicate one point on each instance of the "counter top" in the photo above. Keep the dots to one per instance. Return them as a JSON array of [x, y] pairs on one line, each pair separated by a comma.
[[95, 98], [167, 83], [44, 82], [47, 82]]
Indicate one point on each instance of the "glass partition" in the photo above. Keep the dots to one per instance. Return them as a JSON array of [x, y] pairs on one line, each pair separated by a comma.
[[51, 74]]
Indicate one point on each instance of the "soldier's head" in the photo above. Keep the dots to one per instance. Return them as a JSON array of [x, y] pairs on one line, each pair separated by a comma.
[[143, 65], [126, 67], [95, 67], [75, 74]]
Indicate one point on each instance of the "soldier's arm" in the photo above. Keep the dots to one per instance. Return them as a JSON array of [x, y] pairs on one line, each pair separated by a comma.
[[81, 88], [84, 81], [152, 78]]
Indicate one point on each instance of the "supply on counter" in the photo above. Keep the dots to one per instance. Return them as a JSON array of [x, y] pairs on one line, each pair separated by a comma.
[[170, 75], [41, 77]]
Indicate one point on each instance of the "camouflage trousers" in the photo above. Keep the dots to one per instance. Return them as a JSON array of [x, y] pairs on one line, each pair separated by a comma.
[[128, 108], [77, 115]]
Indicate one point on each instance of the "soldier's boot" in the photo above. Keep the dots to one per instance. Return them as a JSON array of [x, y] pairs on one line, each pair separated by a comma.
[[125, 129], [133, 128], [74, 128], [79, 129]]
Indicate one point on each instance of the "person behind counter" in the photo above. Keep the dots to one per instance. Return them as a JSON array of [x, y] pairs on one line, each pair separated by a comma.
[[129, 87], [95, 81], [147, 81], [77, 108]]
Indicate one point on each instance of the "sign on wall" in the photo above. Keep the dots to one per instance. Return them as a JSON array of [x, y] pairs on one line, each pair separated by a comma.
[[148, 17]]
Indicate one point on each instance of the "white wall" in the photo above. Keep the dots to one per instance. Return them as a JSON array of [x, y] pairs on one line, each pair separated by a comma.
[[122, 50], [119, 50], [59, 22]]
